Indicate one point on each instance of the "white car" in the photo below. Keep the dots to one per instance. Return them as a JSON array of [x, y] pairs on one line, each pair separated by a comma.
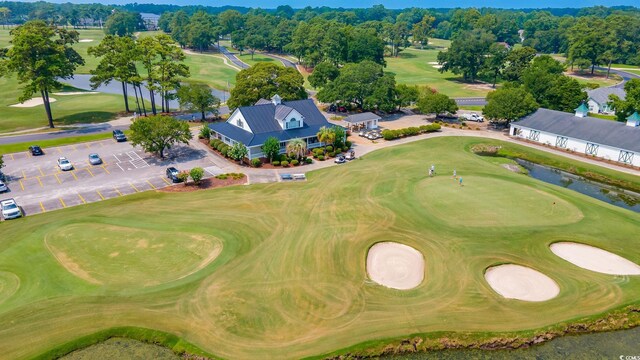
[[472, 117], [10, 209], [3, 187], [64, 164]]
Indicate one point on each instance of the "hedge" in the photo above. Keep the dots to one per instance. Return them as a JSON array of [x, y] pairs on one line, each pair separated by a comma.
[[294, 162], [285, 163], [411, 131]]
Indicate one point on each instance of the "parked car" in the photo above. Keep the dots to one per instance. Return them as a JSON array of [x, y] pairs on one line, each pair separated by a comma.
[[472, 117], [362, 133], [35, 150], [172, 174], [3, 187], [340, 160], [10, 210], [286, 177], [333, 108], [350, 155], [119, 136], [299, 177], [94, 159], [374, 135], [64, 164]]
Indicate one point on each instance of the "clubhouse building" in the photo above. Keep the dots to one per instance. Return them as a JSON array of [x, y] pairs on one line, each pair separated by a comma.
[[610, 140], [253, 125]]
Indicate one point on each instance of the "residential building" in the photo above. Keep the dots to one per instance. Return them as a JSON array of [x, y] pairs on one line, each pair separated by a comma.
[[599, 99]]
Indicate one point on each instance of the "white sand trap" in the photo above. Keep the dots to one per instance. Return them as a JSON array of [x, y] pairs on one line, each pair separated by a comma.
[[32, 102], [395, 265], [75, 93], [521, 283], [595, 259], [85, 40], [437, 66], [432, 63]]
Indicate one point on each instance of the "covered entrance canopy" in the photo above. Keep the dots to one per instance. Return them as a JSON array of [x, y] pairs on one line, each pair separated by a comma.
[[367, 120]]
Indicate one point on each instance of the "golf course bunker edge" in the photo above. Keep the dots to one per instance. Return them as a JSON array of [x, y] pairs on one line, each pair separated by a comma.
[[594, 259], [521, 283], [395, 265]]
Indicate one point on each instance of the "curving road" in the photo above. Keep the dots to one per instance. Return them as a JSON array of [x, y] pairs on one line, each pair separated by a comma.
[[233, 58]]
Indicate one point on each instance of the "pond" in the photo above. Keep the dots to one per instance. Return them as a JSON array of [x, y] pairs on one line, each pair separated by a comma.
[[606, 345], [610, 194]]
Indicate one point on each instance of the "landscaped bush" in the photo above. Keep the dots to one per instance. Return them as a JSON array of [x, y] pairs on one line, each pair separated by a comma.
[[348, 144], [225, 151], [332, 154], [205, 132], [321, 157], [329, 148], [295, 162], [214, 143], [256, 163], [197, 173], [315, 155], [285, 163], [345, 149], [411, 131], [308, 161], [183, 176], [275, 163]]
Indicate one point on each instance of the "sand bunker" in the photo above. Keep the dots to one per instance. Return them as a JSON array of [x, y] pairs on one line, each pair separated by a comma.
[[437, 66], [595, 259], [521, 283], [395, 265], [75, 93], [32, 102], [85, 40]]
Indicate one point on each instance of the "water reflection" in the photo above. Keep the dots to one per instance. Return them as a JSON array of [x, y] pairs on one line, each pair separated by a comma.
[[615, 196]]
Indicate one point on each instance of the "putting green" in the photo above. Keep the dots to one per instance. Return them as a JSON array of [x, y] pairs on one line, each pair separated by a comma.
[[114, 255], [508, 203]]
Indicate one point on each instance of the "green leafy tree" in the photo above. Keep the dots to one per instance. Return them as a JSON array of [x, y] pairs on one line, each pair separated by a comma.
[[467, 54], [355, 84], [384, 96], [407, 95], [158, 133], [436, 103], [197, 173], [589, 39], [41, 55], [179, 26], [169, 68], [544, 79], [630, 104], [494, 62], [5, 11], [322, 74], [117, 62], [422, 31], [264, 80], [509, 104], [201, 31], [271, 148], [198, 98], [148, 48], [123, 23], [340, 136], [517, 61], [1, 162], [238, 152], [297, 148]]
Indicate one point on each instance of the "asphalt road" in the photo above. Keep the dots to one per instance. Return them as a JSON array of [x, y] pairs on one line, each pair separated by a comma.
[[234, 59], [471, 101], [38, 185]]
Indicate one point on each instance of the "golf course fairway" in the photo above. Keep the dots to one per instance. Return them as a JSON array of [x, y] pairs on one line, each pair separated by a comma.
[[279, 270]]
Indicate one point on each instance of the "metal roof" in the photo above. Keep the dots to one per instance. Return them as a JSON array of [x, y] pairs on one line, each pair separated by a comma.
[[601, 95], [282, 111], [599, 131], [366, 116]]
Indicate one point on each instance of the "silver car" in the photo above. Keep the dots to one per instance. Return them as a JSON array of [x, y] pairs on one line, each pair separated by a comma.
[[94, 159], [3, 187], [64, 164], [10, 209]]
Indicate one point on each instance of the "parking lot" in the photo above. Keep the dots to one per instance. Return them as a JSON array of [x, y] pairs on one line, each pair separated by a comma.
[[38, 185]]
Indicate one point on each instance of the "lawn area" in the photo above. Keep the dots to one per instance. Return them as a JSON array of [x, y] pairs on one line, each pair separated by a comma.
[[67, 110], [257, 57], [637, 72], [279, 269], [416, 67], [210, 69], [600, 78]]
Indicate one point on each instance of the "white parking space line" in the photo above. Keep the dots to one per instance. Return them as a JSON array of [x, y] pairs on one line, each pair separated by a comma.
[[119, 166], [133, 155], [213, 170], [139, 163], [117, 159]]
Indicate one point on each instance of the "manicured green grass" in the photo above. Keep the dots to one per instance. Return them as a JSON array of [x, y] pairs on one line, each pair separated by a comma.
[[625, 66], [416, 67], [67, 110], [599, 78], [210, 69], [471, 107], [633, 71], [291, 280], [257, 58], [603, 116]]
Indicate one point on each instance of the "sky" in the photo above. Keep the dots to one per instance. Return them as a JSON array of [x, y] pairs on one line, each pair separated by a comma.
[[391, 4]]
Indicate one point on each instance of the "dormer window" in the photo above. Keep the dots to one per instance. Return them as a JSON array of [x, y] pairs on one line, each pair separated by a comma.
[[240, 123], [293, 123]]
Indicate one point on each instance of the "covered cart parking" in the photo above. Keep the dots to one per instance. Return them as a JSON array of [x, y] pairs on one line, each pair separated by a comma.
[[364, 121]]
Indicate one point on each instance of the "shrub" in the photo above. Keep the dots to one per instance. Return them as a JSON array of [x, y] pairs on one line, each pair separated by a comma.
[[183, 176], [221, 146], [214, 143], [205, 132], [315, 155], [348, 144], [329, 148], [256, 163], [225, 151], [321, 157], [222, 176], [197, 173], [308, 161], [332, 154], [295, 162], [345, 149], [236, 176], [285, 163], [275, 163]]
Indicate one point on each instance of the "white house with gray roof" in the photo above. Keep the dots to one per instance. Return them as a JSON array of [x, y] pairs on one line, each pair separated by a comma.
[[284, 120], [610, 140], [599, 99]]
